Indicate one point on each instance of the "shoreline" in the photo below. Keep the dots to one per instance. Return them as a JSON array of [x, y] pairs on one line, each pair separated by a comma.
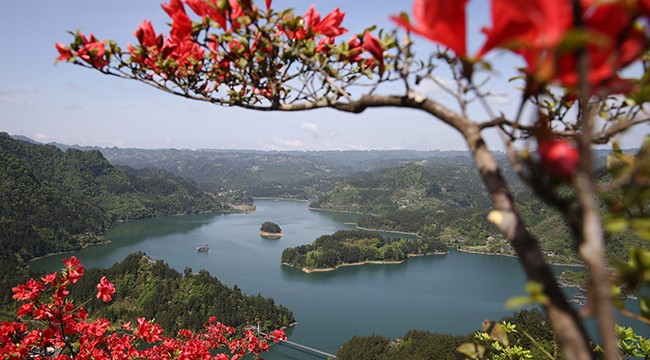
[[249, 210], [65, 252], [389, 231], [309, 271], [270, 235], [514, 256], [273, 198], [341, 211]]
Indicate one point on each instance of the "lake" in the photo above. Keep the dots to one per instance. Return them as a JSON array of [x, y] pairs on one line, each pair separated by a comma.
[[449, 293]]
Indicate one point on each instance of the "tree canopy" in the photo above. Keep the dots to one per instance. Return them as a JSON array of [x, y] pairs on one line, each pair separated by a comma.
[[270, 227]]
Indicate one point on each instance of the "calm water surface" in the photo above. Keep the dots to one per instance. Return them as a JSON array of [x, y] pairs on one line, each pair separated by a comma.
[[449, 293]]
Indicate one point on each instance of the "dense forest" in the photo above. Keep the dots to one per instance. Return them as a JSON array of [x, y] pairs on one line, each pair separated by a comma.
[[177, 301], [353, 246], [418, 344], [449, 203], [410, 187], [53, 201]]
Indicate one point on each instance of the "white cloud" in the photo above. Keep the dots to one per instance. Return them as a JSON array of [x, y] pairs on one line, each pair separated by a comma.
[[41, 137], [73, 107], [498, 99], [431, 88], [74, 86], [168, 139], [12, 100], [311, 127], [10, 90], [293, 144], [282, 144], [119, 143], [315, 130], [355, 147]]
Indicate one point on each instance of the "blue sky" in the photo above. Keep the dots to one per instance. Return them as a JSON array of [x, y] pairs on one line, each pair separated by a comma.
[[73, 105]]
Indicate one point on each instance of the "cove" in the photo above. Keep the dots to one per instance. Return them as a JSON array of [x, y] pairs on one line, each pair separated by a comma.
[[450, 293]]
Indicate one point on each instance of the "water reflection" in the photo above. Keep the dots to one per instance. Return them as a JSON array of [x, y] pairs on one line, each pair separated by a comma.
[[142, 229]]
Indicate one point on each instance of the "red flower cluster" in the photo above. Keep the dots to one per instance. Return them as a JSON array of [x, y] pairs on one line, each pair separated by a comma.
[[91, 51], [311, 24], [244, 57], [541, 31], [66, 334]]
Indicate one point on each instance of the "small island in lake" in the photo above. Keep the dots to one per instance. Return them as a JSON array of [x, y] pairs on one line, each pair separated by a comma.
[[353, 247], [270, 230]]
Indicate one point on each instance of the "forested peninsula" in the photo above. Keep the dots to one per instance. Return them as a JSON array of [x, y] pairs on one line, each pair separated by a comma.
[[354, 247], [151, 289]]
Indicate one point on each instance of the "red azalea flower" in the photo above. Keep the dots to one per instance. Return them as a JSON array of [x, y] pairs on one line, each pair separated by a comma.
[[559, 158], [64, 52], [322, 46], [105, 289], [72, 262], [331, 24], [92, 52], [200, 7], [147, 35], [618, 44], [534, 24], [373, 46], [355, 49], [235, 13], [49, 278], [442, 21], [182, 25]]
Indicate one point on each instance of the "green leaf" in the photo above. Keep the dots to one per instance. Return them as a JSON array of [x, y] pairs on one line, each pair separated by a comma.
[[516, 78], [496, 331], [469, 350], [616, 297], [641, 226], [517, 302], [625, 334], [614, 223], [644, 305], [536, 295]]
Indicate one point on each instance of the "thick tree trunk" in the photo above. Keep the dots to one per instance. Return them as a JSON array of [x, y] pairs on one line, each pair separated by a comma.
[[565, 321]]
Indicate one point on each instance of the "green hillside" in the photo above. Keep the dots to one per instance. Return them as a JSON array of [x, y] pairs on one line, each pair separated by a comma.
[[408, 187], [177, 301], [449, 202], [53, 201], [121, 193]]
